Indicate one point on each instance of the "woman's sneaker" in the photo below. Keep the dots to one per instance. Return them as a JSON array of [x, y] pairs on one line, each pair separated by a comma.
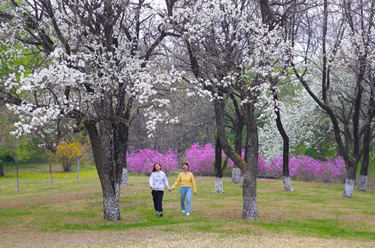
[[183, 211], [157, 213], [187, 214], [161, 214]]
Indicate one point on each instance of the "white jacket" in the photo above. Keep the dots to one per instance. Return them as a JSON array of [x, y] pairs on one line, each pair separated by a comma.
[[158, 180]]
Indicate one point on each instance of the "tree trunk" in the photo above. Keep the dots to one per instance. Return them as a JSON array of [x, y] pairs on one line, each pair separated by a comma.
[[249, 168], [17, 178], [219, 185], [287, 184], [1, 169], [50, 173], [120, 140], [78, 168], [238, 129], [124, 179], [366, 159], [109, 175], [218, 168], [280, 127], [350, 179], [250, 204], [362, 186], [236, 175]]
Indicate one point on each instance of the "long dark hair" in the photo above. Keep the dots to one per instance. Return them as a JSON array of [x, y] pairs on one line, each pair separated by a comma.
[[153, 169], [186, 165]]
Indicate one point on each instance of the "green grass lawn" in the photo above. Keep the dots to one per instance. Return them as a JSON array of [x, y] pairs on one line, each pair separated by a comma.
[[314, 209]]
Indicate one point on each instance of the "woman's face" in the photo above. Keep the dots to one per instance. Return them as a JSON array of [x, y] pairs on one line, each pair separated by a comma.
[[185, 167], [157, 167]]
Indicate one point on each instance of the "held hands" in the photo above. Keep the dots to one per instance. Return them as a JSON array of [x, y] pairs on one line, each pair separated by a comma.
[[170, 190], [195, 193]]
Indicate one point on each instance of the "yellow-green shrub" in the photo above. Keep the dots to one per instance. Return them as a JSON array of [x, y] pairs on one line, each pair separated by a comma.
[[68, 152]]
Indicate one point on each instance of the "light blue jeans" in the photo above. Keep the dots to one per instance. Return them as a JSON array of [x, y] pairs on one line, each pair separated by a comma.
[[185, 192]]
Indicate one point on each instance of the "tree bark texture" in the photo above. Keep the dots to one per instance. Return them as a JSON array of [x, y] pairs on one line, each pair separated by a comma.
[[218, 159], [238, 124], [287, 184], [108, 171], [349, 187], [236, 175], [366, 159], [362, 186], [120, 139], [250, 172], [218, 167], [124, 179], [284, 135], [219, 185], [1, 169], [249, 167]]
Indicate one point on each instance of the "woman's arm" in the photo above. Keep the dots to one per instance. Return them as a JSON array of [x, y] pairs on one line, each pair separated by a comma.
[[151, 181], [166, 181], [176, 183], [193, 184]]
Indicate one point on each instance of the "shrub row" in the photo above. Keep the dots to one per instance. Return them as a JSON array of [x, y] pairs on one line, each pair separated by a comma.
[[201, 159]]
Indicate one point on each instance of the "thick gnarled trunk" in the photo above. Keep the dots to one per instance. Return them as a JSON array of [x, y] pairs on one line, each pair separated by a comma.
[[120, 139], [250, 166], [108, 171], [250, 204]]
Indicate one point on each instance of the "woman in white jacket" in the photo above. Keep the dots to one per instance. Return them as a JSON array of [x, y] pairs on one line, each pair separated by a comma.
[[158, 180]]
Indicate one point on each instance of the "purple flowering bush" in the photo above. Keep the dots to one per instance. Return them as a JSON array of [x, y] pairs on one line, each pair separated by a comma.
[[200, 159], [271, 170], [142, 161], [306, 168]]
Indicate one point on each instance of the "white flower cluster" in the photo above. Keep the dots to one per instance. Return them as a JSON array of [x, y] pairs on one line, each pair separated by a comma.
[[82, 72], [234, 50]]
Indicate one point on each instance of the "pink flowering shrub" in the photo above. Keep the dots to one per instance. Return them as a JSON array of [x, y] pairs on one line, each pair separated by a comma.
[[200, 159], [306, 168], [142, 161], [272, 170]]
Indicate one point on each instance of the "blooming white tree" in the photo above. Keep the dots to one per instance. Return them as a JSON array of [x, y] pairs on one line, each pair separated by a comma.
[[340, 53], [231, 51], [94, 71], [303, 121]]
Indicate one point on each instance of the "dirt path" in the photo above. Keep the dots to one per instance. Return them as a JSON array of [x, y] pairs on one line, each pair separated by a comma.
[[147, 238]]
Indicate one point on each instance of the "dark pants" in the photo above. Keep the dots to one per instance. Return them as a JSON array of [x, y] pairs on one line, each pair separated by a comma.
[[157, 196]]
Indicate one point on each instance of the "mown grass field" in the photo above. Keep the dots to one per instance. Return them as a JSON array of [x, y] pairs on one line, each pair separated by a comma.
[[71, 214]]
